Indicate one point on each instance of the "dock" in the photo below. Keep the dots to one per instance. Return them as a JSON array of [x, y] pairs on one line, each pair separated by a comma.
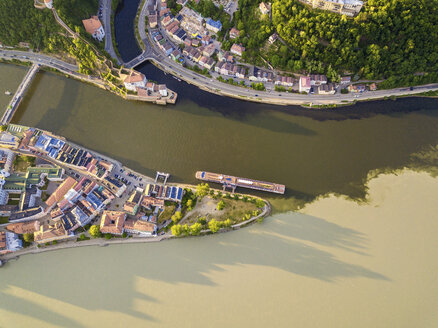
[[16, 100], [229, 181]]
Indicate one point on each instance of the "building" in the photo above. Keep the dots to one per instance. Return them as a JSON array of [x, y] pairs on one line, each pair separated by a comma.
[[94, 27], [345, 79], [237, 49], [134, 80], [273, 38], [234, 33], [162, 89], [304, 84], [47, 233], [24, 227], [153, 20], [112, 222], [214, 26], [265, 8], [286, 81], [326, 89], [140, 227], [316, 79], [343, 7], [60, 192], [356, 88], [372, 87]]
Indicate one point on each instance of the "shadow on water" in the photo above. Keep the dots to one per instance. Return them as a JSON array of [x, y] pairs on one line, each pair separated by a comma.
[[124, 29], [282, 243]]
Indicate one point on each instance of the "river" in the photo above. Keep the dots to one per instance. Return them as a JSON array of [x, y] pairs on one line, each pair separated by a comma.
[[335, 263]]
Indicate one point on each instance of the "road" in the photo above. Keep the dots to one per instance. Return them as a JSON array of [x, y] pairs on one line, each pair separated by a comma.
[[37, 58], [272, 97], [106, 18]]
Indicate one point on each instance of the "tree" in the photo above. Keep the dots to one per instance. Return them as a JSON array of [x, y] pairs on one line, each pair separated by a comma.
[[108, 236], [260, 203], [220, 205], [189, 205], [202, 220], [176, 230], [95, 231], [28, 237], [176, 217], [202, 190], [214, 225], [196, 228], [227, 223], [3, 127]]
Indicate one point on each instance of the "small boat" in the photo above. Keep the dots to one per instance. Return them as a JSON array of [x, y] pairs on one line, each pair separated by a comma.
[[8, 93], [179, 80]]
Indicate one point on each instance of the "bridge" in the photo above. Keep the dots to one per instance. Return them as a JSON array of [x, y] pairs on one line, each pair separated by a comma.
[[148, 54], [13, 105]]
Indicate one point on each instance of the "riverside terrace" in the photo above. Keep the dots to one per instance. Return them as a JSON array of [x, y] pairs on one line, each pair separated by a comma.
[[54, 148]]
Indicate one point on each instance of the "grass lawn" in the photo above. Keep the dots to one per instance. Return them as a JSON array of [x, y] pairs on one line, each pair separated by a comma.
[[13, 201], [235, 210], [4, 219], [167, 213], [22, 163]]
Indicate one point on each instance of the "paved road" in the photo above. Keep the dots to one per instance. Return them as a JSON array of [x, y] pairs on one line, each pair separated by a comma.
[[37, 58], [106, 17]]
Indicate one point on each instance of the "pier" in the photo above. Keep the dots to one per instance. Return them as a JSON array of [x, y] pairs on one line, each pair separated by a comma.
[[229, 181], [16, 100]]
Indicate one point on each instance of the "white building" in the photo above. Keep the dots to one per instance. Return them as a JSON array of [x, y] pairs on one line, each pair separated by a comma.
[[135, 80], [94, 27], [304, 84]]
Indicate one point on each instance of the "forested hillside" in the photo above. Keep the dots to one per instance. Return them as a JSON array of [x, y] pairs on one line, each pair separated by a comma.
[[388, 38], [21, 21]]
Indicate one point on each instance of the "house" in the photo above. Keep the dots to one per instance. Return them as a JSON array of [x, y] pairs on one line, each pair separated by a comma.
[[148, 201], [60, 192], [286, 81], [234, 33], [134, 80], [209, 63], [9, 242], [356, 88], [162, 89], [372, 87], [265, 8], [175, 55], [273, 38], [206, 40], [94, 27], [316, 79], [252, 74], [167, 20], [47, 233], [24, 227], [326, 89], [195, 43], [209, 50], [112, 222], [140, 227], [342, 7], [304, 84], [237, 49], [345, 79], [115, 186], [214, 26], [153, 20]]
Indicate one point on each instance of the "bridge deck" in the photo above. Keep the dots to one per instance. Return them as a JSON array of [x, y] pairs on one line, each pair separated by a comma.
[[18, 96]]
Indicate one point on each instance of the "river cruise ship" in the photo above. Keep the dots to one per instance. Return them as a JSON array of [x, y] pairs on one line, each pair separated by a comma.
[[233, 182]]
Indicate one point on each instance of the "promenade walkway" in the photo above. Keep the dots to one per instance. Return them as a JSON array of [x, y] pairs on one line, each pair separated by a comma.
[[13, 105]]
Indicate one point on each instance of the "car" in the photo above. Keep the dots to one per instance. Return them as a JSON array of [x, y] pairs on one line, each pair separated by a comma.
[[256, 95], [411, 88], [116, 175]]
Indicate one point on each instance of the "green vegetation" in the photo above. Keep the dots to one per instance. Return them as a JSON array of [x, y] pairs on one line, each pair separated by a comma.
[[220, 205], [280, 88], [22, 162], [166, 214], [344, 91], [258, 86], [3, 127], [4, 219], [214, 225], [95, 231], [177, 217], [28, 237], [174, 7], [82, 237], [389, 38], [21, 22], [202, 190]]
